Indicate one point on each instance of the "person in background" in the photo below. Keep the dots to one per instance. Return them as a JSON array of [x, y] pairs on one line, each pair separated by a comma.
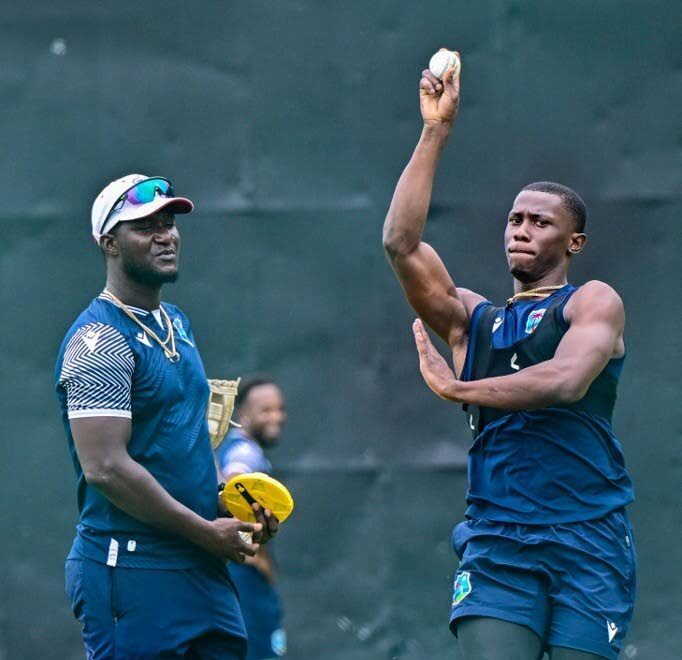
[[261, 413]]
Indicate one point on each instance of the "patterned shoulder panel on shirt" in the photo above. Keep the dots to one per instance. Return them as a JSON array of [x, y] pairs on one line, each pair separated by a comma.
[[97, 372]]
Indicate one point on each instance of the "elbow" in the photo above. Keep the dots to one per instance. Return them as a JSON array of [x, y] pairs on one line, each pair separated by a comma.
[[569, 391], [389, 240], [101, 475], [396, 244]]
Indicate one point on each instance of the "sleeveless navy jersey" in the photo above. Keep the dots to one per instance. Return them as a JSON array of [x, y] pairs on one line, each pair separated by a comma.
[[547, 466], [108, 366]]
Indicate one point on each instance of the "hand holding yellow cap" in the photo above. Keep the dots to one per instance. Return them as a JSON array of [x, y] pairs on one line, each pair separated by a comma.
[[242, 490]]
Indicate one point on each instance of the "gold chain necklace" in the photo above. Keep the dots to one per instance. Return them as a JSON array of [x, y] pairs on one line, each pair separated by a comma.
[[540, 292], [170, 353]]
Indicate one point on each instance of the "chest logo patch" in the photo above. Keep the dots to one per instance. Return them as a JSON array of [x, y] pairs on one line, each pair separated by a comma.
[[534, 319], [497, 323], [462, 587], [182, 333]]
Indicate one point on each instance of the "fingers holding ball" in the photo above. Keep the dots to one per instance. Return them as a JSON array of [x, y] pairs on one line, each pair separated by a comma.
[[443, 62]]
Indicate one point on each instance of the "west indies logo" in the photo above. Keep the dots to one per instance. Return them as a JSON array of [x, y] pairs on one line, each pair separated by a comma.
[[462, 587], [534, 319], [177, 324]]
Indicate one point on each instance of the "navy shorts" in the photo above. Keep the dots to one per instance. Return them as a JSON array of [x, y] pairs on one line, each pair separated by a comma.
[[573, 584], [141, 613], [262, 613]]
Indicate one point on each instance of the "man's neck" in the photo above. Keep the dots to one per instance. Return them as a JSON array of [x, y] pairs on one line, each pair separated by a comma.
[[555, 278], [132, 293]]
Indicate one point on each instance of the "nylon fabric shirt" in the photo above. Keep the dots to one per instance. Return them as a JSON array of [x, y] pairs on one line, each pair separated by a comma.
[[108, 366], [546, 466], [239, 454]]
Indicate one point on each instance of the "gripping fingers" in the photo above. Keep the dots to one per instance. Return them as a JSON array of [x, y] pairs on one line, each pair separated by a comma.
[[429, 84], [273, 523], [249, 549], [268, 521], [260, 520]]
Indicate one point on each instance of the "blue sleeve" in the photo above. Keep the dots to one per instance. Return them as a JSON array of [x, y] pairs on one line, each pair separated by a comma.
[[239, 457]]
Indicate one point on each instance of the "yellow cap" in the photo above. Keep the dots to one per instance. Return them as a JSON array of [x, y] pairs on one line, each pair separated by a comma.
[[243, 490]]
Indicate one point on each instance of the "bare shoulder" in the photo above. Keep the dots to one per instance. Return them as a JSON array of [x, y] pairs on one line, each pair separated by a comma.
[[469, 299], [595, 298]]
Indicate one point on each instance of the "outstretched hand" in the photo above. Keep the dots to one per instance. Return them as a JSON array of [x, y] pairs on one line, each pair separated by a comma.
[[439, 99], [438, 376]]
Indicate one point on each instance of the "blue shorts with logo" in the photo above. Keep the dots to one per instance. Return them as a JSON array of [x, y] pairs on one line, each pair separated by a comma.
[[262, 611], [573, 584], [142, 613]]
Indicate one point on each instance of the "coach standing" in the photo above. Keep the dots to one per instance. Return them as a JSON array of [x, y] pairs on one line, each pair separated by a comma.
[[146, 572]]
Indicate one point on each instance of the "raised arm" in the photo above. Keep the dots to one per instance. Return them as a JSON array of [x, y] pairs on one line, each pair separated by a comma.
[[101, 445], [425, 281], [597, 320]]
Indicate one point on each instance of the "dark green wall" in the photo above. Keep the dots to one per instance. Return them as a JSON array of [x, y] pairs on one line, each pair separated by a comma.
[[288, 123]]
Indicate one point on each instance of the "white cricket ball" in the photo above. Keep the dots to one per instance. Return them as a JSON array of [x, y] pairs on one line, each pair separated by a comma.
[[442, 61]]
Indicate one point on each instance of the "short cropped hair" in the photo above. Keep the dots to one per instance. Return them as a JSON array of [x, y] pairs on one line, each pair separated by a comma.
[[247, 384], [572, 202]]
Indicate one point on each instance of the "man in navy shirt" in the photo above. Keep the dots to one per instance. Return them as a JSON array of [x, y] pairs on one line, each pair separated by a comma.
[[547, 554], [146, 573], [260, 411]]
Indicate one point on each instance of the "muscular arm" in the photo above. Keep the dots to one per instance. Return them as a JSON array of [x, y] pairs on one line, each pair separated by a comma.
[[101, 445], [427, 285], [597, 319], [422, 275]]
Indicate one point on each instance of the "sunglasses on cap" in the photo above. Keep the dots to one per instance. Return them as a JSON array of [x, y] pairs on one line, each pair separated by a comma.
[[142, 192]]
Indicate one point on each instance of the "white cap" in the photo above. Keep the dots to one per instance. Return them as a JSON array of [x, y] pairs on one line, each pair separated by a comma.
[[110, 195]]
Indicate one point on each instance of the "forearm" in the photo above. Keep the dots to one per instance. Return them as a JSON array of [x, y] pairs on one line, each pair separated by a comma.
[[539, 386], [409, 208], [130, 487]]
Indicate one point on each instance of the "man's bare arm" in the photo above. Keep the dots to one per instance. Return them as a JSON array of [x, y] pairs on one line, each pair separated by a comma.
[[423, 276], [597, 322], [101, 444]]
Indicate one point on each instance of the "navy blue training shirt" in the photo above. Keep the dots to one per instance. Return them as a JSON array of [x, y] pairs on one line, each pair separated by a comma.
[[546, 466], [108, 366]]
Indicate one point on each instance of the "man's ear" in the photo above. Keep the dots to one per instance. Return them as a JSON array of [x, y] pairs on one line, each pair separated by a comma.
[[577, 243], [109, 245]]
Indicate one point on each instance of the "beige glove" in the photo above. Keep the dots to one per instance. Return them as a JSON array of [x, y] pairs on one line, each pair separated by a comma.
[[220, 407]]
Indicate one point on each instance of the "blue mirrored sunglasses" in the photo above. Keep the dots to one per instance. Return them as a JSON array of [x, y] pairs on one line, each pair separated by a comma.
[[142, 192]]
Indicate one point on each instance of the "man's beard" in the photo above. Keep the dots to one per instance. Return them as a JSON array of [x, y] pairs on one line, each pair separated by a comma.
[[145, 274], [521, 274], [262, 439]]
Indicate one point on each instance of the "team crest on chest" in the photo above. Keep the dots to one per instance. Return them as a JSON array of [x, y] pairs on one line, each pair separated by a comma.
[[534, 319], [462, 587], [182, 333]]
